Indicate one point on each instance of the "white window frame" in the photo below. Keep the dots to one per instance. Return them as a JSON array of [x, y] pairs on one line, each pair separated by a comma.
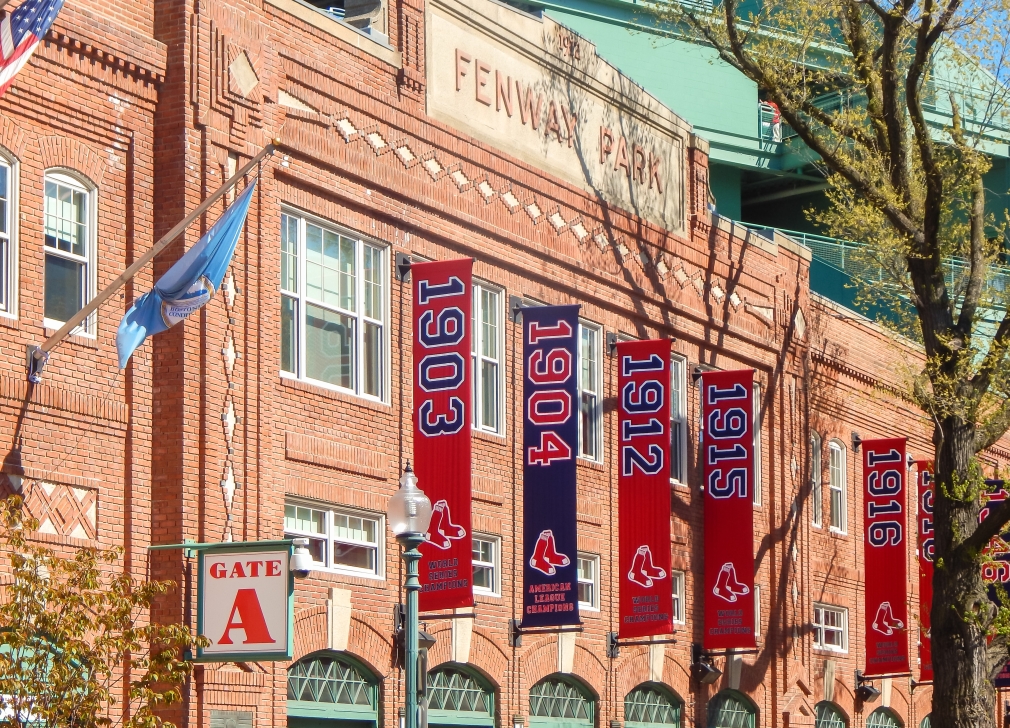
[[819, 628], [758, 460], [301, 297], [9, 241], [594, 606], [678, 582], [757, 610], [598, 413], [678, 370], [838, 485], [74, 180], [332, 510], [816, 481], [476, 356], [494, 565]]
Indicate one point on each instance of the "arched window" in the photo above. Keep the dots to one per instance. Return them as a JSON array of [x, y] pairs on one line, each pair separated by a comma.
[[883, 718], [652, 704], [69, 225], [561, 701], [457, 696], [816, 495], [334, 686], [836, 483], [927, 722], [8, 233], [828, 715], [730, 709]]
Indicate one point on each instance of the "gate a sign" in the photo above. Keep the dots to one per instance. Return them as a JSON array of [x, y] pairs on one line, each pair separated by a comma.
[[245, 602]]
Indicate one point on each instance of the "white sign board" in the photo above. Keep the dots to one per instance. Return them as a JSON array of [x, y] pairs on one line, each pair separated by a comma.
[[245, 604]]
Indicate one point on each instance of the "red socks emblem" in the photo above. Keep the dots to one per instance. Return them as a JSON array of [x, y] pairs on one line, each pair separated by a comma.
[[545, 556], [726, 585], [643, 571], [442, 531]]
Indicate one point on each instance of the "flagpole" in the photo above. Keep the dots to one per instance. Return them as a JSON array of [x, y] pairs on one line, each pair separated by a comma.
[[39, 355]]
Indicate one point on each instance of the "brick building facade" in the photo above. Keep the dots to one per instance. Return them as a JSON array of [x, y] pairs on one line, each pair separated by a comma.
[[243, 424]]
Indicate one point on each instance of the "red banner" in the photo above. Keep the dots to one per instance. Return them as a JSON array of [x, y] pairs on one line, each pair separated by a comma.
[[442, 413], [728, 451], [925, 550], [643, 422], [884, 559]]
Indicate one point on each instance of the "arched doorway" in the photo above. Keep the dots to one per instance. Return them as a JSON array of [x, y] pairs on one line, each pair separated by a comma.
[[327, 688], [829, 715], [559, 701], [884, 718], [731, 709], [458, 696], [652, 704], [926, 722]]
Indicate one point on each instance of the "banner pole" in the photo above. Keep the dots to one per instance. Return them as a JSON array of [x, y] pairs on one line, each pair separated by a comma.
[[38, 355]]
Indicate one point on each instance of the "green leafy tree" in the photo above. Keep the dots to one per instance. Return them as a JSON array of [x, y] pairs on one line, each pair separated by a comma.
[[900, 103], [74, 649]]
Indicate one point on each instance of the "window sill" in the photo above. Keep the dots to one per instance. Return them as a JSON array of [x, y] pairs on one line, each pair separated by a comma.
[[679, 486], [834, 532], [10, 321], [591, 464], [319, 390], [89, 341], [486, 597], [340, 30], [330, 574], [492, 437], [829, 651], [593, 612]]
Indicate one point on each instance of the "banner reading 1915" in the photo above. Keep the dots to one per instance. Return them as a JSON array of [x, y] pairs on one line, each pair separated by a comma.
[[442, 385], [550, 447], [884, 556], [643, 423], [924, 469], [727, 446]]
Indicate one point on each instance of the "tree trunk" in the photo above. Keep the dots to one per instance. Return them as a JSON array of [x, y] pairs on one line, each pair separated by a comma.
[[963, 694]]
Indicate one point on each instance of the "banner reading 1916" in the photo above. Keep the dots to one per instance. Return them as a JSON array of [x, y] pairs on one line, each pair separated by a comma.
[[442, 304], [550, 442], [924, 468], [728, 455], [643, 422], [884, 556]]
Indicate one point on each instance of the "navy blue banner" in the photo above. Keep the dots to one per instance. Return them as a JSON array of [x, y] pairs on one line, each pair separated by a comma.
[[550, 447]]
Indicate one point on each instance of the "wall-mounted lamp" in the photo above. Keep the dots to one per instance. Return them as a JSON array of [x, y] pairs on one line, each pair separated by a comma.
[[701, 369], [518, 721], [864, 688], [702, 668], [856, 441]]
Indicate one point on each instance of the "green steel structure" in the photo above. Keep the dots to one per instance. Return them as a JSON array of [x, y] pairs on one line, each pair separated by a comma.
[[329, 686], [459, 697], [650, 705], [561, 702]]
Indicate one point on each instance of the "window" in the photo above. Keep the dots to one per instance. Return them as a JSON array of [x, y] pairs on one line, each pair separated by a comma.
[[8, 218], [730, 709], [677, 581], [333, 307], [757, 610], [816, 497], [828, 715], [68, 248], [368, 16], [334, 686], [678, 419], [830, 628], [457, 697], [590, 392], [836, 484], [485, 565], [589, 581], [486, 355], [757, 443], [344, 541], [883, 718], [652, 703], [564, 698]]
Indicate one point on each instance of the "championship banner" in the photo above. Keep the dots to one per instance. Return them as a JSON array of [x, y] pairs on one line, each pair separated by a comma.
[[727, 445], [550, 446], [643, 422], [926, 549], [442, 402], [884, 556], [996, 573]]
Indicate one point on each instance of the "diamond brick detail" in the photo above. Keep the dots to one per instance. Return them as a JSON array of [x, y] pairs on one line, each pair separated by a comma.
[[486, 189], [717, 292], [228, 352], [460, 179], [346, 129], [661, 268], [228, 486], [228, 418], [229, 290], [699, 286], [681, 277], [405, 155], [580, 231], [510, 200], [534, 211], [375, 141], [601, 240], [735, 299], [557, 221], [433, 166]]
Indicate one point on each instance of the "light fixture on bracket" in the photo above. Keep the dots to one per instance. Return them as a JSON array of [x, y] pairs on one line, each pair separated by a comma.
[[702, 668], [856, 441], [864, 688]]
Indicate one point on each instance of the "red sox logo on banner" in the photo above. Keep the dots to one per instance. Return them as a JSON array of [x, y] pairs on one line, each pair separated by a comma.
[[728, 456], [643, 408], [884, 556], [442, 402], [924, 468]]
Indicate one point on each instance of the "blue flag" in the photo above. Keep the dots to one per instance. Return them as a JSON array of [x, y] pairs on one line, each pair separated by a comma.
[[188, 284]]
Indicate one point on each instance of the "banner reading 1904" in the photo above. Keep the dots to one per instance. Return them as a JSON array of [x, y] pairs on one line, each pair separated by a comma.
[[884, 556], [728, 455], [550, 442], [442, 304], [643, 423]]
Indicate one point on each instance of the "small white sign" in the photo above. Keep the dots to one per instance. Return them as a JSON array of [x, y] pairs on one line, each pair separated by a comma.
[[245, 604]]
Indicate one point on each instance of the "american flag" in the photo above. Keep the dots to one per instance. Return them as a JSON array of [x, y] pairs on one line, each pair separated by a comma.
[[20, 34]]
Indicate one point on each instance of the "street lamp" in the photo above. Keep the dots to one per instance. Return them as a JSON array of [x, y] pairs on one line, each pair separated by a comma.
[[409, 514]]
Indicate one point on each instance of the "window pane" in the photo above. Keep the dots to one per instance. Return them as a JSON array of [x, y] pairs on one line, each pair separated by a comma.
[[354, 556], [347, 273], [676, 388], [585, 593], [373, 282], [331, 274], [483, 577], [314, 262], [64, 288], [373, 359], [489, 324], [289, 253], [676, 451], [588, 356], [489, 395], [289, 334], [66, 218], [353, 528], [588, 412], [329, 347]]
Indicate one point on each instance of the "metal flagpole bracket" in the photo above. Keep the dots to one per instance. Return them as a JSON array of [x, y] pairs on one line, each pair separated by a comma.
[[435, 616], [611, 343], [403, 263], [36, 362], [516, 307], [613, 649], [516, 631]]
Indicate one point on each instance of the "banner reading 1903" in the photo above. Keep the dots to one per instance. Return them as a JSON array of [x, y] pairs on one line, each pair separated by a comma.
[[442, 304], [884, 556], [550, 446], [924, 470], [643, 423], [727, 446]]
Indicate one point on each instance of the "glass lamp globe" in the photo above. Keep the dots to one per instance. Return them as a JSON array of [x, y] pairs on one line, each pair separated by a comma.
[[409, 509]]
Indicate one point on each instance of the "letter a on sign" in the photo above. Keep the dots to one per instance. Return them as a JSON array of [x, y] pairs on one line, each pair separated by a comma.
[[245, 599]]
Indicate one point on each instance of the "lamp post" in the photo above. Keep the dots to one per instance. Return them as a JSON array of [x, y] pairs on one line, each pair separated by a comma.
[[409, 514]]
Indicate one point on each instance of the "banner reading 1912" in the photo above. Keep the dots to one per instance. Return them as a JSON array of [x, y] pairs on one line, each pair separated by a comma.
[[924, 468], [727, 445], [550, 447], [884, 556], [643, 422], [442, 304]]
